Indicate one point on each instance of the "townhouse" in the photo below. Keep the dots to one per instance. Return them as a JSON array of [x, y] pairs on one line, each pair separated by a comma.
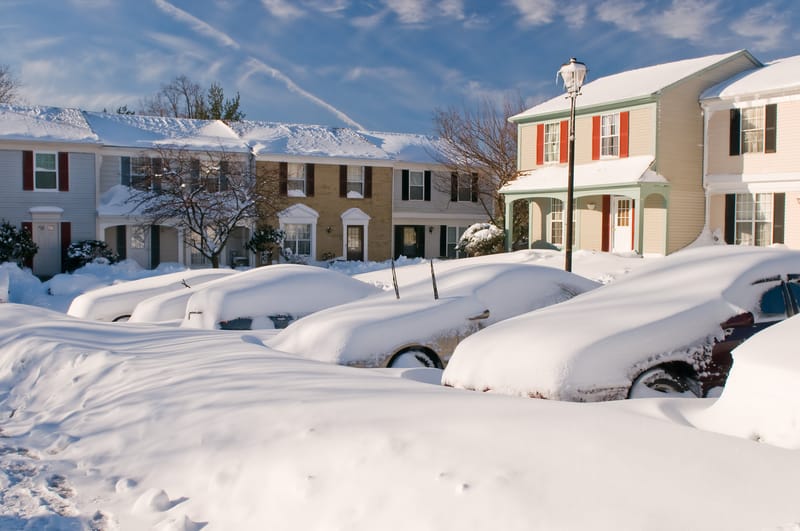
[[638, 180], [752, 163]]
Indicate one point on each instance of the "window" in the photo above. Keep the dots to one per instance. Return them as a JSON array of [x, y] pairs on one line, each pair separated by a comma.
[[355, 181], [138, 237], [754, 219], [609, 135], [465, 187], [298, 238], [141, 172], [453, 236], [296, 179], [552, 146], [45, 172], [556, 222], [753, 130], [416, 186]]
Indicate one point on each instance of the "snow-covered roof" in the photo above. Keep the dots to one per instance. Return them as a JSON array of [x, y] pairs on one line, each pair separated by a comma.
[[779, 75], [402, 147], [153, 132], [48, 124], [600, 173], [631, 84]]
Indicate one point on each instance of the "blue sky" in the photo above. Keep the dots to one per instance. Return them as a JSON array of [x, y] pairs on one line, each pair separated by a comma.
[[377, 64]]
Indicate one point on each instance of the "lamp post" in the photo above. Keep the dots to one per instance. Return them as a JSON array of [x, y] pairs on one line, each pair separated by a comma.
[[573, 73]]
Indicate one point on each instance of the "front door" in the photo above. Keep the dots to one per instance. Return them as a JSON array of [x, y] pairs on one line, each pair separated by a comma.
[[355, 242], [623, 224], [409, 241], [47, 261]]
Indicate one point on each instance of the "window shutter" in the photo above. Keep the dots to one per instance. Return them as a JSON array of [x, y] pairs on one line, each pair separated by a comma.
[[367, 181], [283, 178], [223, 176], [770, 128], [730, 218], [28, 227], [474, 197], [122, 242], [778, 216], [398, 239], [155, 246], [404, 184], [420, 247], [453, 186], [443, 241], [27, 170], [624, 135], [540, 144], [309, 180], [735, 133], [158, 169], [63, 172], [563, 138], [605, 243], [66, 239], [125, 171], [595, 137], [427, 185], [342, 180]]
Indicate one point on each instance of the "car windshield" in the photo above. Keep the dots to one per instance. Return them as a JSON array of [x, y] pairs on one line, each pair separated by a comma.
[[772, 302]]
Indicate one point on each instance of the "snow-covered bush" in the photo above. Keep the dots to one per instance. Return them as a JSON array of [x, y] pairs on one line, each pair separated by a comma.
[[265, 241], [87, 251], [481, 239], [16, 246]]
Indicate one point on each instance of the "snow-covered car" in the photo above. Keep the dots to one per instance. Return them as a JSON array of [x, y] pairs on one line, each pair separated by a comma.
[[117, 301], [669, 327], [271, 297], [419, 329]]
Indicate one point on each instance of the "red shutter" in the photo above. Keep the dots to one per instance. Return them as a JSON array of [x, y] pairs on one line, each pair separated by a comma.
[[605, 243], [540, 144], [624, 127], [595, 137], [28, 227], [283, 176], [563, 139], [66, 239], [27, 170], [367, 181], [309, 180], [63, 172]]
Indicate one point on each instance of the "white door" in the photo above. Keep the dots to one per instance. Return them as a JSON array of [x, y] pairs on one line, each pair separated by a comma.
[[47, 261], [623, 224]]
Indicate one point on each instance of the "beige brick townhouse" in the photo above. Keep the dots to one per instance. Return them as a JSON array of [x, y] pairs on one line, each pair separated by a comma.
[[752, 164], [638, 158]]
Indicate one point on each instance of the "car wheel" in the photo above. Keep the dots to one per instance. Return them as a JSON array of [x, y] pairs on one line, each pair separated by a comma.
[[413, 359], [660, 381]]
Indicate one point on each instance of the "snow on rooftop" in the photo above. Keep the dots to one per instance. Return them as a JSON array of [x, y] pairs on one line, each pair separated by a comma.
[[781, 74], [638, 83], [600, 173], [52, 124], [406, 147], [153, 132]]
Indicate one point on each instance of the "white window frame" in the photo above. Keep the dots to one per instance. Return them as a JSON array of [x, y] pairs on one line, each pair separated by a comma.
[[552, 143], [452, 238], [37, 169], [753, 123], [609, 135], [754, 219], [298, 230], [355, 182], [557, 221], [296, 179], [412, 187], [138, 237], [299, 214]]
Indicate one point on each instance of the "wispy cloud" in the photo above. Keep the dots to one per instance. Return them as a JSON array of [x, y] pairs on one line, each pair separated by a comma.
[[196, 24], [453, 9], [282, 9], [536, 12], [764, 24], [682, 19], [385, 73], [409, 11]]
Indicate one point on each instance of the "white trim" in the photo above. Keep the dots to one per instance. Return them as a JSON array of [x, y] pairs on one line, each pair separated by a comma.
[[301, 215], [355, 216], [752, 182]]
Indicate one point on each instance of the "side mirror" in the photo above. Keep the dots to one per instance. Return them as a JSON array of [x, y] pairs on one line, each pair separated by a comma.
[[483, 315]]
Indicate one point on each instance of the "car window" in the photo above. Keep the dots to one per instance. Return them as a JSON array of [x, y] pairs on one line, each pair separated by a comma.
[[772, 302], [794, 289]]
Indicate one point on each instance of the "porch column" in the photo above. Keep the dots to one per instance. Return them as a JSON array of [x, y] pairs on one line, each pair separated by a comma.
[[509, 221]]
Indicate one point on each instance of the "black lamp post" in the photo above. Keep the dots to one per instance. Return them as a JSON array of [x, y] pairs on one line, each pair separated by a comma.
[[573, 73]]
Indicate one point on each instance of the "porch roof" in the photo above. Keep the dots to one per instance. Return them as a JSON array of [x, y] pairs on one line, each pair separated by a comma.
[[598, 174]]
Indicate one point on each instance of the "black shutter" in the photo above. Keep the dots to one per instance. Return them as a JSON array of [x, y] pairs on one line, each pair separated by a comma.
[[63, 171], [367, 181], [158, 169], [155, 246], [443, 241], [122, 242], [66, 239], [454, 186], [309, 180], [474, 188], [420, 250], [735, 132], [778, 217], [427, 186], [342, 181], [283, 178], [770, 128], [223, 175], [404, 193], [125, 171], [398, 240], [730, 218]]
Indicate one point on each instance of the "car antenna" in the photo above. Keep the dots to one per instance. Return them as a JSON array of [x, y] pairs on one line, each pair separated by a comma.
[[183, 281], [394, 281], [433, 279]]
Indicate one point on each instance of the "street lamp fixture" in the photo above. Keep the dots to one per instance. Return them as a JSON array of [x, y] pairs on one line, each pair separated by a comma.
[[573, 73]]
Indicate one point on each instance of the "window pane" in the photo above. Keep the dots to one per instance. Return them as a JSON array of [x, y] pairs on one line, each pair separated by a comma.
[[46, 180], [416, 186], [552, 147], [46, 161], [753, 130], [609, 135]]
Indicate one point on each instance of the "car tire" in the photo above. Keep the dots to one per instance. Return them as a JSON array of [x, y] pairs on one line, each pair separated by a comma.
[[662, 381], [414, 359]]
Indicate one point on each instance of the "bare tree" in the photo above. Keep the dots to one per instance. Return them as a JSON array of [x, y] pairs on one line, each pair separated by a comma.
[[9, 85], [480, 143], [206, 195], [184, 98]]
